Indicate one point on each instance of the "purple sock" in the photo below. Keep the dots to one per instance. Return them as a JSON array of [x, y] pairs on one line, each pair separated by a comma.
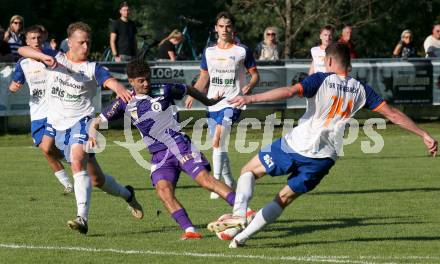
[[181, 217], [230, 198]]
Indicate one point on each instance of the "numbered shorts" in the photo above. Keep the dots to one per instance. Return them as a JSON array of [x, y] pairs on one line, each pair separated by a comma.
[[167, 166], [225, 117], [39, 128], [77, 134], [305, 173]]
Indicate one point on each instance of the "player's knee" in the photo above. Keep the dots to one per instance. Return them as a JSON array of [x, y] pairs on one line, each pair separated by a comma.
[[165, 193]]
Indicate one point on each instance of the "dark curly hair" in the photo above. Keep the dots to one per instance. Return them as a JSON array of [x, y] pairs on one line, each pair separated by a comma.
[[138, 68]]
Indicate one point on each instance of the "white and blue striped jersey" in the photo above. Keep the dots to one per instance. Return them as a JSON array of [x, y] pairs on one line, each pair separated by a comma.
[[34, 73], [331, 101], [227, 72], [71, 88]]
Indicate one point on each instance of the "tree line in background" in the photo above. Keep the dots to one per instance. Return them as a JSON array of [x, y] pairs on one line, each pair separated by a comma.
[[377, 24]]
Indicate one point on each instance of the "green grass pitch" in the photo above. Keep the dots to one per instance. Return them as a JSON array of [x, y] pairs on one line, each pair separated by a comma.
[[371, 208]]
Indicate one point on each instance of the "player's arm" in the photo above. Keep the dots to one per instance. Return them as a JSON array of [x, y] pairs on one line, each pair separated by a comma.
[[201, 97], [14, 86], [29, 52], [200, 85], [269, 96], [104, 79], [255, 78], [251, 66], [18, 78], [113, 112], [118, 88], [399, 118]]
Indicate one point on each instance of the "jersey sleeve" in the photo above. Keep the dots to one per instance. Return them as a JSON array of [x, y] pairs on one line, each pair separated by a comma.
[[175, 90], [203, 63], [50, 52], [18, 75], [249, 60], [101, 74], [311, 84], [373, 101], [114, 111]]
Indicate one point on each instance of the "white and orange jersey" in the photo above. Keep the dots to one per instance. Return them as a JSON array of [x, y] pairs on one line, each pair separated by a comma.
[[331, 101], [318, 56], [227, 71], [71, 88]]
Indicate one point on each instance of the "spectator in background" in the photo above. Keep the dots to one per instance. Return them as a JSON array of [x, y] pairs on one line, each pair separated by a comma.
[[53, 44], [268, 49], [64, 46], [44, 37], [14, 35], [123, 36], [405, 48], [167, 46], [5, 51], [346, 39], [432, 42], [318, 52]]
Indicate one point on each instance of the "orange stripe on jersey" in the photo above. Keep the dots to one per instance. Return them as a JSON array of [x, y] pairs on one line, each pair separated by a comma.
[[252, 69], [106, 81], [300, 90], [379, 106]]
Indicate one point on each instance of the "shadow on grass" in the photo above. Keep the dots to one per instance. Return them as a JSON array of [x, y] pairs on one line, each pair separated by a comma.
[[335, 223]]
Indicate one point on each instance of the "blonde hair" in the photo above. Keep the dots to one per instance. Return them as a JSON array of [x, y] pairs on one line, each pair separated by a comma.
[[9, 30], [175, 34], [266, 39], [406, 31]]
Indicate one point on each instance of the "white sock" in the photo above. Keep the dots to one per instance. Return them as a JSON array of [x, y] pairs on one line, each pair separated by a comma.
[[265, 216], [111, 187], [83, 190], [63, 178], [217, 163], [190, 229], [226, 171], [244, 193]]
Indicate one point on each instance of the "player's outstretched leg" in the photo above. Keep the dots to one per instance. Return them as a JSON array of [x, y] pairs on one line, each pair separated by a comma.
[[265, 216], [165, 191], [109, 185], [244, 192]]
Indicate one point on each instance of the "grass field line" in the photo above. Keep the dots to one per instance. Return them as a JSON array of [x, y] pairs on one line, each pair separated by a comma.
[[324, 259]]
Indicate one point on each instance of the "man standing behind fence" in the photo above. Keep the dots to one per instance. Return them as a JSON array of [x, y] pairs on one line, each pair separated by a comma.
[[123, 36]]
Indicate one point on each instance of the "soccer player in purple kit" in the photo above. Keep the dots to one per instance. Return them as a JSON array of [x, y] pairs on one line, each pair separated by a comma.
[[151, 111]]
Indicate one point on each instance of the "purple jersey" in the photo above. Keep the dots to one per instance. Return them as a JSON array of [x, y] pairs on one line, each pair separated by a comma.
[[153, 114]]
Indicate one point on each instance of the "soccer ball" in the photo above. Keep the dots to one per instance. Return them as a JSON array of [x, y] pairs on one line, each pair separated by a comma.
[[228, 234]]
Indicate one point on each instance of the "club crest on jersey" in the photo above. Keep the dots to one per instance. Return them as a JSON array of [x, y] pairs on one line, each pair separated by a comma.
[[268, 160], [156, 107]]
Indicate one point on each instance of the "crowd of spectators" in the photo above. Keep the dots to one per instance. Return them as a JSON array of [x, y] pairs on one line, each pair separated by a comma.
[[123, 42]]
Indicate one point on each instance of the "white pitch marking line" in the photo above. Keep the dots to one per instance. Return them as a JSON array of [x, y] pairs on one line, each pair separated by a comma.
[[329, 259]]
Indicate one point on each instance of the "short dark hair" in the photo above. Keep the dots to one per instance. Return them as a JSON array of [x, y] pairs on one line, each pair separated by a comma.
[[138, 68], [34, 29], [327, 27], [226, 15], [78, 26], [340, 52], [123, 4]]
